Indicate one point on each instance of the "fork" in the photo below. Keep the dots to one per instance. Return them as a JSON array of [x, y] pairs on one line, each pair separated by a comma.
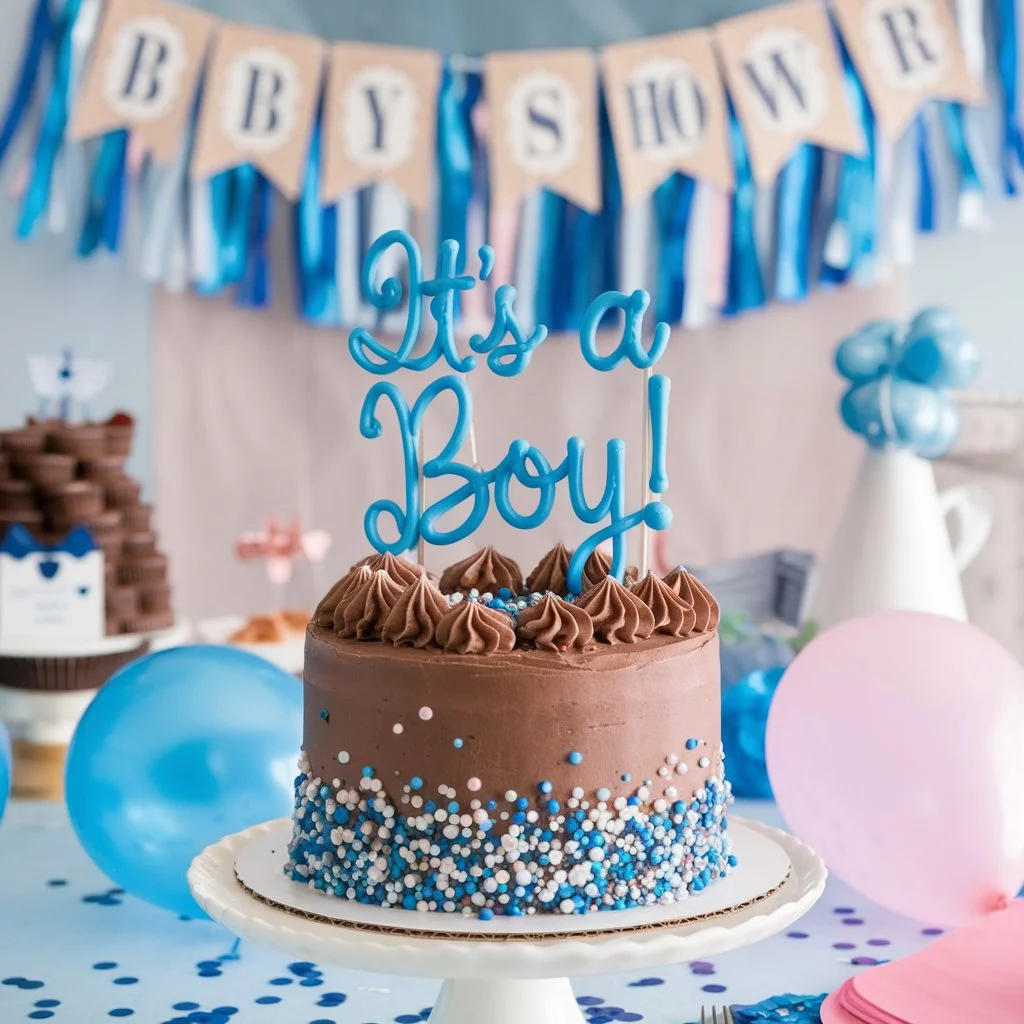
[[716, 1016]]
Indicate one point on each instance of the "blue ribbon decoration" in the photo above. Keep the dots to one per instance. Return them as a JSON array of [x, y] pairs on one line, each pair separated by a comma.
[[51, 134], [927, 221], [673, 200], [19, 543], [746, 286], [899, 381], [794, 210], [102, 223], [1007, 64], [40, 37]]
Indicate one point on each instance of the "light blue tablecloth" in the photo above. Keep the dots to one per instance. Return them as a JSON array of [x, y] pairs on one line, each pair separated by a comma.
[[75, 951]]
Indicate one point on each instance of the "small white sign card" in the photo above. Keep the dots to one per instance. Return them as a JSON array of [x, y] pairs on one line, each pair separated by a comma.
[[49, 593]]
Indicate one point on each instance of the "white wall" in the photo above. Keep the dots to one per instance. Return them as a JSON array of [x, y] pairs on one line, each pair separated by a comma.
[[50, 300], [980, 276]]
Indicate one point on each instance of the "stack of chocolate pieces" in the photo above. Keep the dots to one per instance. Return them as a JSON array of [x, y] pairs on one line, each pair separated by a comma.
[[55, 476]]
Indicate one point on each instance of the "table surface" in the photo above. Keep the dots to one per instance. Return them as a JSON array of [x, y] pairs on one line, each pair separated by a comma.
[[74, 949]]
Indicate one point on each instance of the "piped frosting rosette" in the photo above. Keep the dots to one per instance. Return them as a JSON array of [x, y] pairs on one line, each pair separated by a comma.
[[900, 376]]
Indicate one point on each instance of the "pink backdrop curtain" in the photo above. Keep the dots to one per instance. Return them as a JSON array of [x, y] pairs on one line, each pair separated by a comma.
[[257, 415]]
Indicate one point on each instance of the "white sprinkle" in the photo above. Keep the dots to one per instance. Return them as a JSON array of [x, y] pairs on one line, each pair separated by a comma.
[[398, 728], [343, 756], [511, 795], [426, 714], [703, 762], [681, 768]]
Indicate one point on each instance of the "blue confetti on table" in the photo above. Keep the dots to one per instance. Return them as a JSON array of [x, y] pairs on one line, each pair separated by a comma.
[[82, 950]]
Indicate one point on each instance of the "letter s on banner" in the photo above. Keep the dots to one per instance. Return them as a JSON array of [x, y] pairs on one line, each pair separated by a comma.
[[143, 74]]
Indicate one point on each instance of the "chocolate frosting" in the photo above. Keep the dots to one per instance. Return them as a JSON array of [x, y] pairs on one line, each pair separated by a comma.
[[672, 615], [401, 570], [555, 625], [619, 617], [488, 571], [327, 611], [599, 565], [415, 615], [365, 608], [472, 628], [706, 612], [551, 572]]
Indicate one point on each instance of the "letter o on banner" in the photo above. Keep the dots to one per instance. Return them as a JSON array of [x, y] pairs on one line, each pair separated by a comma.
[[668, 110]]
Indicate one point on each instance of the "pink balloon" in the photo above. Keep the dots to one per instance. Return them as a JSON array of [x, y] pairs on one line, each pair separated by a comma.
[[895, 747]]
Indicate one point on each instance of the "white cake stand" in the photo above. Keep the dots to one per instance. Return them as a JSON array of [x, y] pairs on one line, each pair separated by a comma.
[[513, 969]]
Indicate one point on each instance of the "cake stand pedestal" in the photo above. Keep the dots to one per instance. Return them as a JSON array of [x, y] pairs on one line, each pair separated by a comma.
[[510, 969]]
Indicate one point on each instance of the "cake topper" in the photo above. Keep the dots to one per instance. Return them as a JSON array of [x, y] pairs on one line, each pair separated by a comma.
[[508, 348], [65, 378]]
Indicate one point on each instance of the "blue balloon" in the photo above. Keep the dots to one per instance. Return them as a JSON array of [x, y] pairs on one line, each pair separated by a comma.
[[5, 769], [948, 359], [931, 320], [178, 750], [744, 723], [864, 355]]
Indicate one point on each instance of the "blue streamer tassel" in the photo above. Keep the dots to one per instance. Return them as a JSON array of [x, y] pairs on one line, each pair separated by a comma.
[[746, 287], [794, 211], [254, 288], [40, 39], [926, 218], [1007, 62], [102, 224], [673, 200]]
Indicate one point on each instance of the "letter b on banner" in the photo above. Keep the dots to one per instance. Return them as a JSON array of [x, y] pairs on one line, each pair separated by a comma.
[[144, 69], [261, 93], [668, 111]]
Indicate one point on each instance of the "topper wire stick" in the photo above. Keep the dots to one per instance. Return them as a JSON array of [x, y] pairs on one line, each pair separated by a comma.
[[472, 434], [645, 469], [421, 544]]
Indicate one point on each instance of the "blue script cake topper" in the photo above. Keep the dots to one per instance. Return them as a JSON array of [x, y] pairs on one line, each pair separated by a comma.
[[899, 380], [508, 348]]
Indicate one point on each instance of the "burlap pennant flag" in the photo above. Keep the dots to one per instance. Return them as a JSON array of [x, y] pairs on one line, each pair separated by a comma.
[[143, 73], [543, 124], [259, 102], [668, 112], [380, 118], [785, 77], [907, 52]]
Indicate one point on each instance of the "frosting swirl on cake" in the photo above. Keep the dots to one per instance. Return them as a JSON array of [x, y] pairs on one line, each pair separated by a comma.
[[487, 571], [706, 612], [555, 625], [364, 610], [599, 565], [551, 572], [327, 610], [672, 615], [413, 619], [401, 570], [469, 627], [619, 617]]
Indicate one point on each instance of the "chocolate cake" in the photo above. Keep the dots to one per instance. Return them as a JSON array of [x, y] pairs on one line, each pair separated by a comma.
[[485, 745], [55, 476]]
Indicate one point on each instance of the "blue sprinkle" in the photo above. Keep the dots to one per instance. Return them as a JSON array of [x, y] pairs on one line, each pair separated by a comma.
[[415, 782], [228, 1011], [367, 772], [185, 1006], [202, 965], [626, 777], [324, 714], [303, 967], [545, 787], [40, 1014], [311, 982], [44, 1003], [629, 1016], [646, 982], [268, 1000], [691, 744], [575, 757], [332, 999], [589, 1000], [126, 981], [553, 806], [457, 743], [57, 882], [280, 981], [408, 1018], [108, 965], [324, 1020], [121, 1011], [712, 988]]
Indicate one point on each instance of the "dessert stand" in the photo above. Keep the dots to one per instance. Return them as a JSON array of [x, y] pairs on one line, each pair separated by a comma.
[[509, 969]]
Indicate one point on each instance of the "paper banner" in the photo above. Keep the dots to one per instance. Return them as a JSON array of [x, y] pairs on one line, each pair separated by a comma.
[[907, 52], [668, 113], [259, 102], [786, 79], [143, 74], [380, 120], [543, 107]]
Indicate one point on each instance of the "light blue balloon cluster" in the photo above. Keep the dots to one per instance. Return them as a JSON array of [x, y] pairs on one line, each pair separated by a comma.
[[745, 709], [899, 380]]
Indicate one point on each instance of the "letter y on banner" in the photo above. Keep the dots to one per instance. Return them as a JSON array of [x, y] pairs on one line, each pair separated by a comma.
[[259, 104], [143, 73], [785, 77]]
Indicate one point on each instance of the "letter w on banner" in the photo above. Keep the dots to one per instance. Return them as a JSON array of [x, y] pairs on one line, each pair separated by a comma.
[[908, 52], [380, 120], [786, 79], [544, 126], [259, 104], [667, 107], [143, 73]]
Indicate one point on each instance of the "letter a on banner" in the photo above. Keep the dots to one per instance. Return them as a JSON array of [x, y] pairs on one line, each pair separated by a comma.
[[143, 73], [380, 120], [907, 52], [544, 125], [667, 107], [785, 76], [259, 104]]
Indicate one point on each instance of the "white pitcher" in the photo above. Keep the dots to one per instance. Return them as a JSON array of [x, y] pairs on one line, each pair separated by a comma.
[[893, 548]]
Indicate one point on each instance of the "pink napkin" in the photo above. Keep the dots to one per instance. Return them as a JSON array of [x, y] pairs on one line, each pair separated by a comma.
[[976, 973]]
